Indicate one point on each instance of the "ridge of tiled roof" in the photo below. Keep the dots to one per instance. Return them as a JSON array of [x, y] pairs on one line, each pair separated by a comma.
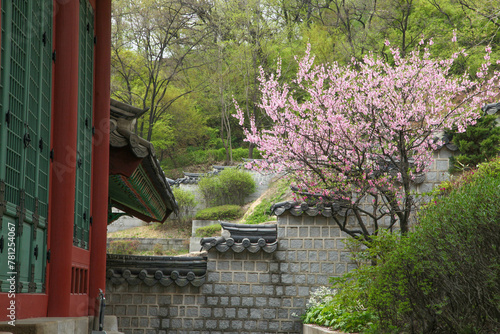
[[152, 270], [240, 237]]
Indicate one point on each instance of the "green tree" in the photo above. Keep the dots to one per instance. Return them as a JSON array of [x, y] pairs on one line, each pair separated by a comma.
[[151, 46], [479, 143]]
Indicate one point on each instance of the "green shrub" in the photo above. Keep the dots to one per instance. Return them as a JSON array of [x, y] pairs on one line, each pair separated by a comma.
[[186, 202], [230, 186], [329, 308], [228, 212], [125, 247], [443, 277], [208, 231]]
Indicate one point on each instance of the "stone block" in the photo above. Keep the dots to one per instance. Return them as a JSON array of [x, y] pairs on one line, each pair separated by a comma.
[[252, 278], [226, 277], [142, 310], [211, 324], [192, 312], [220, 289], [205, 312], [239, 277], [257, 289], [173, 311], [187, 323], [255, 313], [236, 265], [290, 290], [303, 290], [315, 232], [269, 290], [340, 268], [283, 244], [244, 289], [312, 256], [218, 312], [280, 255], [442, 164], [199, 324], [120, 309], [262, 325], [230, 312], [213, 277], [236, 324], [222, 265], [224, 324], [300, 279], [250, 325], [212, 301], [264, 278], [242, 313], [281, 232], [292, 232], [301, 256], [329, 244], [164, 299], [175, 323], [274, 326], [247, 301], [232, 289], [314, 267], [296, 243], [207, 289], [262, 266], [291, 256], [287, 278], [327, 268], [283, 313], [295, 220], [249, 266], [163, 311], [303, 231], [294, 268], [165, 323]]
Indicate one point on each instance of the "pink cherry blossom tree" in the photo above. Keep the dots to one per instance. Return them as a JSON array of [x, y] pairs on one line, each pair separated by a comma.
[[360, 133]]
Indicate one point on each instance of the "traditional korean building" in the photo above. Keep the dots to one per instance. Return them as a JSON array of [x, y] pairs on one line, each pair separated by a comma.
[[55, 170]]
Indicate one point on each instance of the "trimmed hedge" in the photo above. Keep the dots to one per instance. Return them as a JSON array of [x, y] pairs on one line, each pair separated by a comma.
[[230, 186], [208, 231]]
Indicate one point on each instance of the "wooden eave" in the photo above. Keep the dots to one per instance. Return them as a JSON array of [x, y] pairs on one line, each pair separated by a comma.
[[137, 184]]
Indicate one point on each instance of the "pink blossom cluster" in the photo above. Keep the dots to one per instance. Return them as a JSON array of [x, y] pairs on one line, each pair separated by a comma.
[[341, 126]]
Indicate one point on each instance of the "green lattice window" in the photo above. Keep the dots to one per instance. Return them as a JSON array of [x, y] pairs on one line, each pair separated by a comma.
[[25, 103], [84, 139]]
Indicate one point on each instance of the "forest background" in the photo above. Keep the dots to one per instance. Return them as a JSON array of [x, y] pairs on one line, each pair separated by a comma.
[[187, 61]]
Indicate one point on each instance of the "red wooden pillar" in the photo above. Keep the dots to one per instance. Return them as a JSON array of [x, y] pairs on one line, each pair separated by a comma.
[[64, 145], [100, 168]]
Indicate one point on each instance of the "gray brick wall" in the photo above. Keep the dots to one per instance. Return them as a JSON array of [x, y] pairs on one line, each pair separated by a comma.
[[244, 292]]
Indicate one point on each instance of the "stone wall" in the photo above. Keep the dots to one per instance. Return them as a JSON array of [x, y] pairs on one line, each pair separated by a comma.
[[244, 292], [250, 292]]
